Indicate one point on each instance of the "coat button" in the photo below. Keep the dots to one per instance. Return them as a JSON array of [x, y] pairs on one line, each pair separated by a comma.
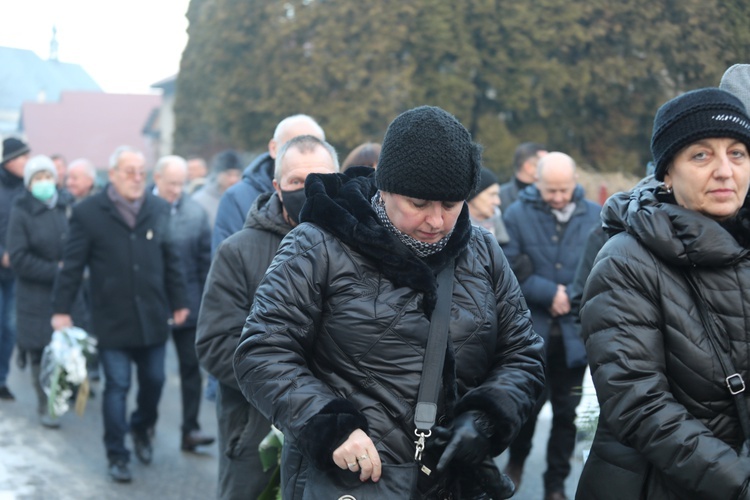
[[558, 266], [555, 238], [132, 236], [135, 267]]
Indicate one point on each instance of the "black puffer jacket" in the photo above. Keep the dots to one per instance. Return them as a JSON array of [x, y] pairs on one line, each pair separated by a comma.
[[336, 337], [668, 428], [36, 236], [239, 264]]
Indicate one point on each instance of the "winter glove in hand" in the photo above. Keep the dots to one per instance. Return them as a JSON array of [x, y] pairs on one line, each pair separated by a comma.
[[494, 483], [470, 439]]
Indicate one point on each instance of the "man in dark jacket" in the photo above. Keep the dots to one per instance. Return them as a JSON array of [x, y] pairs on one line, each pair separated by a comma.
[[192, 236], [258, 177], [14, 156], [550, 223], [525, 159], [122, 234], [239, 265]]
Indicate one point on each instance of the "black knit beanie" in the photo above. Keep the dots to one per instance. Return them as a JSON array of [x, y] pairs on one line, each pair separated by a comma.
[[487, 178], [427, 154], [696, 115], [13, 148]]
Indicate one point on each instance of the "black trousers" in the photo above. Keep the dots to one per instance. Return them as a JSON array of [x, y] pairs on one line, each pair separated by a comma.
[[563, 389], [241, 429], [191, 383]]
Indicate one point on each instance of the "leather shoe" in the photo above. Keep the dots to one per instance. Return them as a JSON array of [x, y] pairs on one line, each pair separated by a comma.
[[514, 472], [119, 471], [142, 444], [193, 439]]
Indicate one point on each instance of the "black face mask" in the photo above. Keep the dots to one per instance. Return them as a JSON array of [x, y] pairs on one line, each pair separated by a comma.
[[293, 202]]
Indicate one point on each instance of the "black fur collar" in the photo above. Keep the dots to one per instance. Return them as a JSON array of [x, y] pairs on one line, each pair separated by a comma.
[[340, 204]]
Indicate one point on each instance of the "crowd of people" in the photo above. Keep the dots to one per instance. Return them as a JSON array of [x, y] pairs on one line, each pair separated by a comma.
[[402, 317]]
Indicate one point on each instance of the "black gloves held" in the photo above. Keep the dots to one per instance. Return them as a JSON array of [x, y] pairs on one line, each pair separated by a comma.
[[485, 481], [468, 439]]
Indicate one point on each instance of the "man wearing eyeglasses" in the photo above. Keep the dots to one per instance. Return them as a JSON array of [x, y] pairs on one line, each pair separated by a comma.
[[137, 290]]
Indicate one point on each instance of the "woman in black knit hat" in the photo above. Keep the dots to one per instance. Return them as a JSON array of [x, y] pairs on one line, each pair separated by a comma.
[[666, 315], [333, 350]]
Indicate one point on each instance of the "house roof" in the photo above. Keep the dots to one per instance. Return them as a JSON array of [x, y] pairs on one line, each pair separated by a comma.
[[24, 76], [168, 85], [89, 124]]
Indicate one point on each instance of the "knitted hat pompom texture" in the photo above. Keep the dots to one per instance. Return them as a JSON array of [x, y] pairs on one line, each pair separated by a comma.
[[427, 154], [695, 115]]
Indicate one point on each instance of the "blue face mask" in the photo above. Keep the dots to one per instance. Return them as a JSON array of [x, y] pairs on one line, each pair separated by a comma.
[[43, 190]]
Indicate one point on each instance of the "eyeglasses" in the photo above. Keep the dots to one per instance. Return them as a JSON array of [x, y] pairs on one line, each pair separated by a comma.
[[132, 173]]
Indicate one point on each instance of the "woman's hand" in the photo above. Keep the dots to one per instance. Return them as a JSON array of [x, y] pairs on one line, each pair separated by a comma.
[[358, 453]]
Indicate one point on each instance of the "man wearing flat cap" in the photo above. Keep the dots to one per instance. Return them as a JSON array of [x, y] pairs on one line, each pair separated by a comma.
[[14, 155]]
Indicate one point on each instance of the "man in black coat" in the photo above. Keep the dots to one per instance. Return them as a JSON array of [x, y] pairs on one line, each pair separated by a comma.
[[15, 153], [191, 232], [122, 235], [239, 265]]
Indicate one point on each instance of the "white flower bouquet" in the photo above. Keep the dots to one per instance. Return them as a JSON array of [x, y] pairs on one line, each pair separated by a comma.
[[63, 370]]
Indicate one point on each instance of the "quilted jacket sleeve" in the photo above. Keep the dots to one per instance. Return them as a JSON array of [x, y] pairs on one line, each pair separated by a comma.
[[516, 378], [271, 362], [223, 309], [623, 331], [24, 261]]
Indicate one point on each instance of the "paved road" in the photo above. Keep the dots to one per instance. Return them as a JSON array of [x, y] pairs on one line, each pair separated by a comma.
[[70, 463]]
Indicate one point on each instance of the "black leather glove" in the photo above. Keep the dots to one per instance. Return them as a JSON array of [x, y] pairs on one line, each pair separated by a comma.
[[484, 481], [469, 441]]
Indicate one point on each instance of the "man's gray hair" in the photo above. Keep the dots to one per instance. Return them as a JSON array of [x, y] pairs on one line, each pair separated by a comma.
[[169, 160], [88, 167], [115, 157], [304, 144], [279, 131]]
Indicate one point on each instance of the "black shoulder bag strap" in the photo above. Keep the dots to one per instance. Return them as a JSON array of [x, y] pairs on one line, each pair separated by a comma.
[[434, 357], [733, 379]]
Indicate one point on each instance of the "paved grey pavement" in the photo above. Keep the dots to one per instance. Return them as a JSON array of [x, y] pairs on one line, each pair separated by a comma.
[[70, 463]]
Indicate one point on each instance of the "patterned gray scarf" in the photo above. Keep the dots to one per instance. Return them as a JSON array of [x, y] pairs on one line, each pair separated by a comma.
[[420, 248]]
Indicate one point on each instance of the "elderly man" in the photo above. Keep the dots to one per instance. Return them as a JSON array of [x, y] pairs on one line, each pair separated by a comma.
[[239, 265], [15, 153], [122, 234], [192, 236], [81, 178], [549, 224], [258, 177]]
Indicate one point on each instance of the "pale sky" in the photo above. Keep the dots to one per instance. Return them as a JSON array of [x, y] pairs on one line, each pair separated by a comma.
[[126, 46]]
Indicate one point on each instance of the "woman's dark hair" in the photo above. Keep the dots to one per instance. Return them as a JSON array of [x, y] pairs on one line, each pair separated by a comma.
[[366, 154]]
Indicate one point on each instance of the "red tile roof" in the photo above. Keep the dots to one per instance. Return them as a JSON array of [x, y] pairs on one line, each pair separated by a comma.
[[90, 125]]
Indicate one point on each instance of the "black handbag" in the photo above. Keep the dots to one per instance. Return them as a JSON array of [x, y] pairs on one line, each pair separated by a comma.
[[733, 380], [399, 481]]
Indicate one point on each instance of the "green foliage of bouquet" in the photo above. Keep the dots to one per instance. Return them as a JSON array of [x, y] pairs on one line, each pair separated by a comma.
[[270, 456]]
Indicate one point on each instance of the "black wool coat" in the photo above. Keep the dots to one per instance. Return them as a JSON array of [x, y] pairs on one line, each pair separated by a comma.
[[35, 240], [135, 275], [11, 187]]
